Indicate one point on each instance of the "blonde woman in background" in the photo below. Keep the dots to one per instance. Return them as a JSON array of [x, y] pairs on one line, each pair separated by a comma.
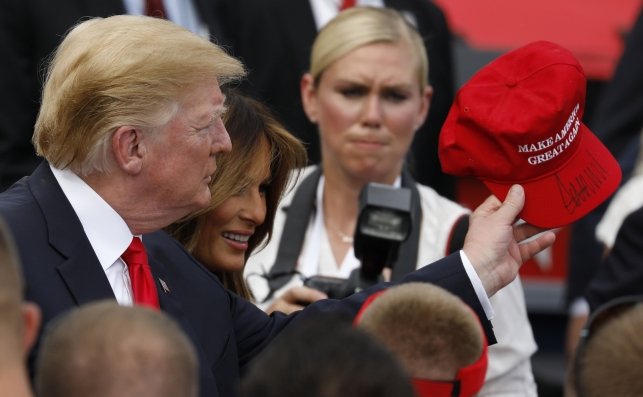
[[367, 91]]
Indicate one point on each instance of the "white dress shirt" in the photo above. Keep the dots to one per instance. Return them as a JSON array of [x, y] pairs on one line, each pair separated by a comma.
[[106, 231]]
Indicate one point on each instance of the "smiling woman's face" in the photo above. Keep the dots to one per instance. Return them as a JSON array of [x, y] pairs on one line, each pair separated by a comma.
[[224, 240], [368, 105]]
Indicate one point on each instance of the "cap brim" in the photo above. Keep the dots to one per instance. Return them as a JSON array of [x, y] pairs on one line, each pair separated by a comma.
[[587, 179]]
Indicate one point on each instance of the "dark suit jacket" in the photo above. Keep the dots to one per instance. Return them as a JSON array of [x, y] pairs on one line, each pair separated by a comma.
[[621, 273], [61, 272], [274, 39], [30, 30]]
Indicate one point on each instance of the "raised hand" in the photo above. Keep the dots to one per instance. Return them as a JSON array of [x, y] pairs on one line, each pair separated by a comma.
[[497, 246]]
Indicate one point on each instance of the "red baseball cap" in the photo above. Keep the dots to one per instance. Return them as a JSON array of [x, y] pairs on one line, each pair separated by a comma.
[[518, 121]]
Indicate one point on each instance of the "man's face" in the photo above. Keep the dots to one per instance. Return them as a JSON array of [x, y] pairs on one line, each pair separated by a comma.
[[182, 156]]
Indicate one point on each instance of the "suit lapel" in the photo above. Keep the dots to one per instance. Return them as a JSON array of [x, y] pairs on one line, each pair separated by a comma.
[[164, 286], [169, 300], [80, 271], [85, 278]]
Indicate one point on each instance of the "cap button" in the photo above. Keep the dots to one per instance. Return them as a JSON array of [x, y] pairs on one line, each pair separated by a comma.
[[511, 82]]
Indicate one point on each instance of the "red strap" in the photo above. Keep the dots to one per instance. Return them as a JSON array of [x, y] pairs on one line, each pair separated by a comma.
[[140, 275], [432, 388], [366, 304], [468, 381], [473, 375]]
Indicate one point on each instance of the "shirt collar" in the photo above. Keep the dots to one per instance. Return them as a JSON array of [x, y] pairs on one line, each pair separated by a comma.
[[106, 231]]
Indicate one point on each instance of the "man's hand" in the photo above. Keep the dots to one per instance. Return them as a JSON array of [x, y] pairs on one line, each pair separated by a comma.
[[495, 244]]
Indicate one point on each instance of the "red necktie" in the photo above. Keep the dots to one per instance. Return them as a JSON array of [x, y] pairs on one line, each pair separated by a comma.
[[140, 275], [347, 4], [154, 8]]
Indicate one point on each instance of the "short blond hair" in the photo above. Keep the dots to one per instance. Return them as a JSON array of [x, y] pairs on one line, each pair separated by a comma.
[[361, 26], [104, 349], [428, 328], [610, 361], [121, 70]]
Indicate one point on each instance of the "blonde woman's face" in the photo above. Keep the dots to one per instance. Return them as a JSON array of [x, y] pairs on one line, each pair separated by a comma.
[[224, 239], [368, 105]]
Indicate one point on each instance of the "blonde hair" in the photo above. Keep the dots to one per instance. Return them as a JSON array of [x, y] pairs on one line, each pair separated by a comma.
[[429, 329], [610, 362], [121, 70], [252, 128], [104, 349], [360, 26]]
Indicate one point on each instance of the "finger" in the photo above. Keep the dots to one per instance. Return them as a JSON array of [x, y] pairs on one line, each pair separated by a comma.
[[524, 231], [513, 204], [489, 206], [530, 248], [386, 274]]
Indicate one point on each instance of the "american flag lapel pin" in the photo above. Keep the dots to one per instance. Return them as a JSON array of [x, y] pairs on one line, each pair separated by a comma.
[[166, 289]]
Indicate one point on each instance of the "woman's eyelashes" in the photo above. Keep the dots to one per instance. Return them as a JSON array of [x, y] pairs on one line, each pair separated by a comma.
[[262, 188], [393, 94]]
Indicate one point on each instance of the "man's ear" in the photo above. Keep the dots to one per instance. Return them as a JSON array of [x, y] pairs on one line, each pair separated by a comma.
[[308, 97], [128, 149], [31, 318]]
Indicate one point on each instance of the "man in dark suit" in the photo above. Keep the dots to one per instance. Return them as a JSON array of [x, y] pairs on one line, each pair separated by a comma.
[[130, 126], [29, 31], [274, 40]]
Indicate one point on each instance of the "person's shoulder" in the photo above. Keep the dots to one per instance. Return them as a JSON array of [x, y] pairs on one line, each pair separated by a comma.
[[301, 173], [17, 201], [435, 201], [16, 193], [162, 244], [176, 260], [296, 177], [632, 224], [627, 199], [163, 247]]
